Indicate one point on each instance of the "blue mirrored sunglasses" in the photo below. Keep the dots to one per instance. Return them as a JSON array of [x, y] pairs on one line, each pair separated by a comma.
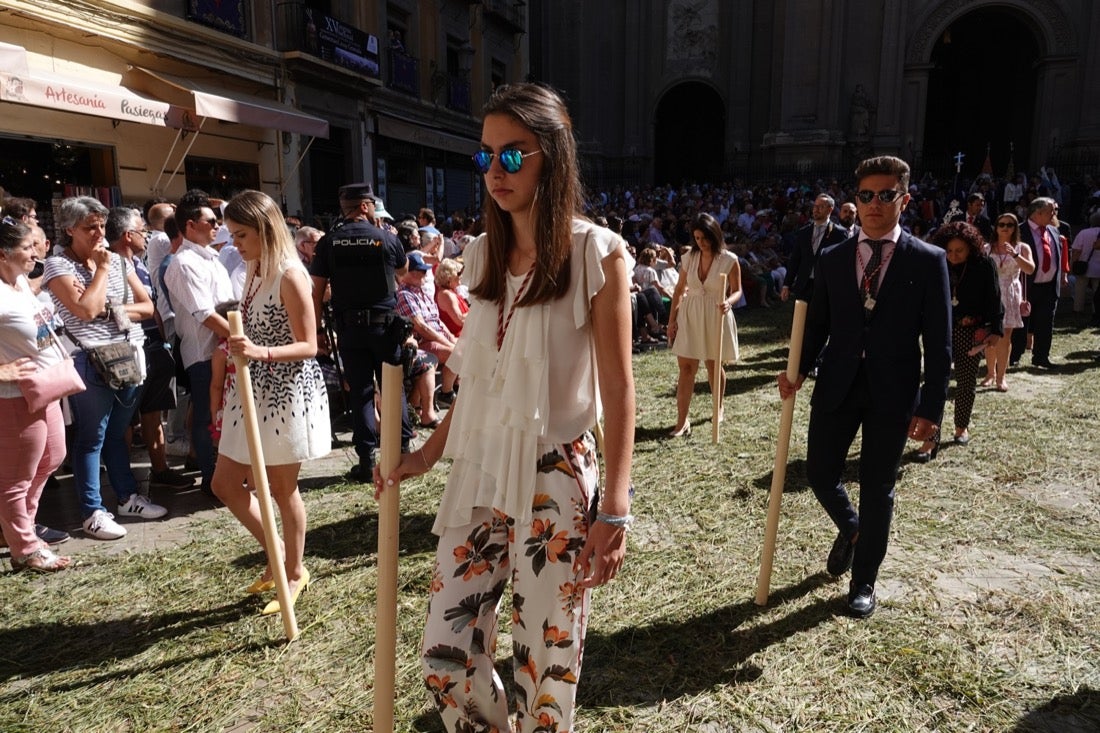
[[511, 159]]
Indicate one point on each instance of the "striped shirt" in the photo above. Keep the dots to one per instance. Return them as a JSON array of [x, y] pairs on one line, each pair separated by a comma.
[[97, 330]]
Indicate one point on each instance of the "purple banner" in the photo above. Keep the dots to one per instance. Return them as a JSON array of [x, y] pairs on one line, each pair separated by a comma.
[[341, 44], [227, 16]]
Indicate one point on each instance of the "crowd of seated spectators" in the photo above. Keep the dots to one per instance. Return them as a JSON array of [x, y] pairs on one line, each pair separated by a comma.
[[758, 220]]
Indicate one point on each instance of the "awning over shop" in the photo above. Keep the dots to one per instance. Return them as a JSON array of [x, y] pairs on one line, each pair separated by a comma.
[[22, 85], [223, 105]]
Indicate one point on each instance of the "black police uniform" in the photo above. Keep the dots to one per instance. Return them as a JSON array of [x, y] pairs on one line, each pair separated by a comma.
[[359, 260]]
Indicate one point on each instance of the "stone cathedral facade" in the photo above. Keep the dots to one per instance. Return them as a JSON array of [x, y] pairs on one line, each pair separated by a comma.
[[672, 90]]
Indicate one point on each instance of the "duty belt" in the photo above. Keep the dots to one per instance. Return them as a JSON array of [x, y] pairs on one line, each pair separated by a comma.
[[365, 317]]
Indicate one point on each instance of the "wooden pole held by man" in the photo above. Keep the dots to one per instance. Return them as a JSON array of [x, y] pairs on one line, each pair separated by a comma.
[[779, 469]]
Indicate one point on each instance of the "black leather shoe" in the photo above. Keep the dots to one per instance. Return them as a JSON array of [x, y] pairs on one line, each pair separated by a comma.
[[841, 556], [50, 536], [861, 600], [1042, 364], [361, 473]]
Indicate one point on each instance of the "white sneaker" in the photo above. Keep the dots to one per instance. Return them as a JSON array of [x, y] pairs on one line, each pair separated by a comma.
[[139, 506], [102, 526]]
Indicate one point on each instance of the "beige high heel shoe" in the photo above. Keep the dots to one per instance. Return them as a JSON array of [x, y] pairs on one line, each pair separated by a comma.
[[683, 431]]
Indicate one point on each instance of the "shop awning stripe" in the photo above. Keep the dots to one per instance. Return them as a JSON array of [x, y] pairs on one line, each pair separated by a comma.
[[223, 105], [22, 85]]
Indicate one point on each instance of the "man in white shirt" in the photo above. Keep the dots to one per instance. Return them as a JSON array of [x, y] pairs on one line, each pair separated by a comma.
[[198, 283], [155, 214], [1084, 249]]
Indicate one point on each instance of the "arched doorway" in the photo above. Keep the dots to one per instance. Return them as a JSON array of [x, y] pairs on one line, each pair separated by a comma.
[[982, 91], [689, 135]]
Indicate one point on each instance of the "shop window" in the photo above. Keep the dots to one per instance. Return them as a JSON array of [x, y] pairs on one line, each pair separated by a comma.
[[397, 30], [49, 171], [221, 178]]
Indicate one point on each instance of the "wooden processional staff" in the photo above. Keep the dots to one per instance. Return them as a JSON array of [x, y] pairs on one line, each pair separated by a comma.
[[385, 617], [716, 386], [779, 469]]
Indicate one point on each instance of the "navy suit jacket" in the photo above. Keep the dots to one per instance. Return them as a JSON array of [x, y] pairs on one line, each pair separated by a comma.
[[985, 226], [912, 310], [801, 264], [1037, 258]]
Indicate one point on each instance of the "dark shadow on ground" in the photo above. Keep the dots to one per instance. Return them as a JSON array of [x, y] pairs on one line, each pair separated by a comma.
[[1077, 712], [38, 649], [794, 481], [357, 536], [683, 658]]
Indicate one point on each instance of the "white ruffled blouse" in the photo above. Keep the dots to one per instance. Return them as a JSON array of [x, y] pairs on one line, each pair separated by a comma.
[[538, 389]]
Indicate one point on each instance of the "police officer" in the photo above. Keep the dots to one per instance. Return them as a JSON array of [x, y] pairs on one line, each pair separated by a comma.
[[361, 261]]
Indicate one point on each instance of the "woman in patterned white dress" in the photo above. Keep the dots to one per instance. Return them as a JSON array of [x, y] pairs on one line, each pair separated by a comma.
[[1010, 258], [289, 389]]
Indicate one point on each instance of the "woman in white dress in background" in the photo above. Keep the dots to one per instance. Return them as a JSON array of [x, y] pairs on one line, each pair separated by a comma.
[[698, 305]]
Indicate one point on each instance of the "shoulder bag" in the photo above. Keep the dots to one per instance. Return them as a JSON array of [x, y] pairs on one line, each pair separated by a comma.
[[48, 385]]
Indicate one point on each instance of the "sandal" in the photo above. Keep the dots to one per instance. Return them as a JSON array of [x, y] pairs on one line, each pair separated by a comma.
[[42, 560], [431, 425]]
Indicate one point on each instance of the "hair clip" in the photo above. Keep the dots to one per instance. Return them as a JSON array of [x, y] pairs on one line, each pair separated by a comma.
[[9, 220]]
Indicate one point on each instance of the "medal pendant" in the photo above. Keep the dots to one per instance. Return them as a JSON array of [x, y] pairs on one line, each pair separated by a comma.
[[954, 301], [869, 303]]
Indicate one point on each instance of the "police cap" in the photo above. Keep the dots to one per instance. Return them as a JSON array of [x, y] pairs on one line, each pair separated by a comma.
[[357, 192]]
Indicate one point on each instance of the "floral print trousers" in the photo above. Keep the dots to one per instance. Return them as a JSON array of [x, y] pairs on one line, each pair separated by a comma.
[[549, 612]]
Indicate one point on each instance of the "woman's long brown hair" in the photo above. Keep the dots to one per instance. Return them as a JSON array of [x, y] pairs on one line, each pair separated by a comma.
[[558, 197]]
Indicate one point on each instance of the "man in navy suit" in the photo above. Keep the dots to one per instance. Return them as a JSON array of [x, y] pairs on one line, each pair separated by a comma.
[[1044, 286], [975, 204], [879, 297], [808, 243]]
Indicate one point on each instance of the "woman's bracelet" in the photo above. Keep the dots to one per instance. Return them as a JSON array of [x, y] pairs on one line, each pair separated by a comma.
[[269, 358], [623, 521]]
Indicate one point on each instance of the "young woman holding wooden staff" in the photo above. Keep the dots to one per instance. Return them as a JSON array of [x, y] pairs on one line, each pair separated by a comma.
[[280, 335], [549, 318], [692, 325]]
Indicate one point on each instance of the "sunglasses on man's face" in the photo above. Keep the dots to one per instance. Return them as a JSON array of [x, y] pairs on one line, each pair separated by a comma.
[[886, 196], [511, 159]]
